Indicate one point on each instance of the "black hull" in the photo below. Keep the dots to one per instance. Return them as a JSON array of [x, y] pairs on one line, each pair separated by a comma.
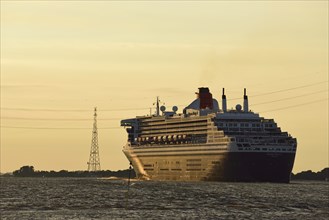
[[254, 167]]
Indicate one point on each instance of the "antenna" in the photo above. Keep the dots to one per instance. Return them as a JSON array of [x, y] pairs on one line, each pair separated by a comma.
[[157, 113], [245, 101], [94, 161], [224, 105]]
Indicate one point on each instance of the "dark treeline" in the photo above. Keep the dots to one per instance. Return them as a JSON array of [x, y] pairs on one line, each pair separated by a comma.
[[28, 171], [310, 175]]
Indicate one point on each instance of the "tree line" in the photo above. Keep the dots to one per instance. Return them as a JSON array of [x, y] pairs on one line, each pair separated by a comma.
[[28, 171], [310, 175]]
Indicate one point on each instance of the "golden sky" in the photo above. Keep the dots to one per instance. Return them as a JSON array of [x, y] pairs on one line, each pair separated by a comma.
[[59, 59]]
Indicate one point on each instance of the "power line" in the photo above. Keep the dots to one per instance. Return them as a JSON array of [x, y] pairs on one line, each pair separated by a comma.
[[124, 109], [76, 128], [70, 110], [134, 109], [284, 90], [46, 110], [55, 128], [289, 98], [112, 119], [59, 119], [293, 106]]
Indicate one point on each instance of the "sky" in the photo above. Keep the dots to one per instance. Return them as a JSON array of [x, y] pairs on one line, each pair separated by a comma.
[[60, 59]]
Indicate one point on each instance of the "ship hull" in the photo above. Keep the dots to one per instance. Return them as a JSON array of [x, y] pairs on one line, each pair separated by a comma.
[[254, 167], [224, 166]]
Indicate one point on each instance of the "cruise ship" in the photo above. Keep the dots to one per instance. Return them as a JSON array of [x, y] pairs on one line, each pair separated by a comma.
[[206, 142]]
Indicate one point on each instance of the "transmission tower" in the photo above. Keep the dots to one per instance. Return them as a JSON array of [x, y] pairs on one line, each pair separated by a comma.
[[94, 161]]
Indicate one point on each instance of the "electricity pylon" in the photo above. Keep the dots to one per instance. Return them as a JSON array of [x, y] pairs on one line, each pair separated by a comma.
[[94, 161]]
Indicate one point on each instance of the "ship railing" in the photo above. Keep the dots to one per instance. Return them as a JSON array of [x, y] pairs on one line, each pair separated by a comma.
[[176, 144], [265, 144], [263, 133], [173, 121], [172, 126]]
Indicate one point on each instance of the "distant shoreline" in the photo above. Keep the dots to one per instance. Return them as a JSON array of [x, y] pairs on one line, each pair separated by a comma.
[[28, 171], [322, 175]]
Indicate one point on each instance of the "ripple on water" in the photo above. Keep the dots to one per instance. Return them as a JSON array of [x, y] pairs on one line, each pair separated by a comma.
[[88, 198]]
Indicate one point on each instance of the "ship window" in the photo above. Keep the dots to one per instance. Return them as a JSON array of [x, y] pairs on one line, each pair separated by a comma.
[[193, 160], [150, 169], [193, 165], [176, 169]]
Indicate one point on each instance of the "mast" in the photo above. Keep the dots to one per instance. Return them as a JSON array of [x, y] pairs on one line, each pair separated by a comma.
[[245, 101], [158, 107], [224, 107]]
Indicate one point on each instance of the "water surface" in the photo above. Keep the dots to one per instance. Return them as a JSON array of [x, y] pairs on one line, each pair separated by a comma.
[[91, 198]]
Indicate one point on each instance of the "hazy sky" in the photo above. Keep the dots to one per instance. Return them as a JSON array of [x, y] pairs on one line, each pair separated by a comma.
[[73, 55]]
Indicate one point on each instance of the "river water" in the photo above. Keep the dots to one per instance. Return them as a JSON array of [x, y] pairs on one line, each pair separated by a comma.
[[91, 198]]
